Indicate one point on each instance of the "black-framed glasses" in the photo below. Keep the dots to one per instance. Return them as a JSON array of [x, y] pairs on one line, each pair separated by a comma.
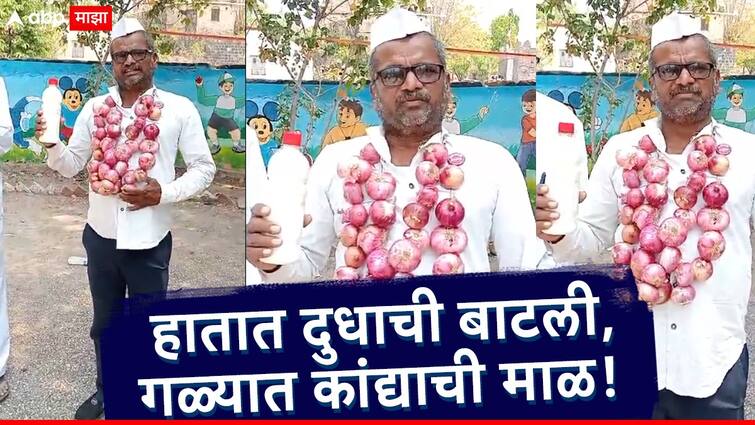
[[426, 73], [672, 71], [137, 54]]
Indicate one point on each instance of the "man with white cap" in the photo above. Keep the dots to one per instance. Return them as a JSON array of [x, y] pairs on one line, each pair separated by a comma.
[[6, 142], [414, 177], [127, 237], [683, 187]]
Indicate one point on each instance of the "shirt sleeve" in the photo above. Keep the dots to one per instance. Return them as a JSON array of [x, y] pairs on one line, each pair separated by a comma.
[[69, 159], [513, 228], [6, 124], [319, 237], [200, 167], [597, 219]]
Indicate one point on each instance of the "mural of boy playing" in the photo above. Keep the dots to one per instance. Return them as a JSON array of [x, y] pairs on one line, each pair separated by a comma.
[[225, 109], [527, 148], [349, 125]]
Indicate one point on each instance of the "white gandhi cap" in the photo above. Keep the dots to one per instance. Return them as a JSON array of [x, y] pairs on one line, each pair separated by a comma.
[[125, 27], [674, 27], [398, 23]]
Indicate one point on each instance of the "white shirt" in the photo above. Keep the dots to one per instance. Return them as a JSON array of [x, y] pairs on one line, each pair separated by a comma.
[[696, 344], [493, 194], [256, 179], [180, 130], [6, 124]]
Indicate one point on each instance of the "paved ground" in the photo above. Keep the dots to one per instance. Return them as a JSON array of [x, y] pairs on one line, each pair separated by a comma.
[[51, 367]]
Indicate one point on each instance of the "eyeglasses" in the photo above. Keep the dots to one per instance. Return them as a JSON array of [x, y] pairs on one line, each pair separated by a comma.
[[137, 54], [672, 71], [426, 73]]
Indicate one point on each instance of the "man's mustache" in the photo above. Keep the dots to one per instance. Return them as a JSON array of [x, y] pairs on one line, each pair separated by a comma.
[[685, 90], [409, 96]]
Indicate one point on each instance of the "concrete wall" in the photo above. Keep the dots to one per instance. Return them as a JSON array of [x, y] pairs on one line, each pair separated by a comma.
[[26, 80]]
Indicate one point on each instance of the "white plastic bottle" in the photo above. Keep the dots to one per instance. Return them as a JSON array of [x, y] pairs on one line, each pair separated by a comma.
[[51, 101], [287, 174]]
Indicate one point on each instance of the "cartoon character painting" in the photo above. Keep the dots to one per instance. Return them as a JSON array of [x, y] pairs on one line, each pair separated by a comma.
[[262, 125], [23, 115], [454, 126], [529, 134], [736, 115], [222, 117], [644, 109], [349, 125], [73, 100]]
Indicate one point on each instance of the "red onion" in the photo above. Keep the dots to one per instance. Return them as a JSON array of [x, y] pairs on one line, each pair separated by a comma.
[[129, 178], [354, 257], [151, 131], [140, 122], [123, 153], [114, 131], [622, 253], [635, 198], [656, 194], [630, 234], [105, 110], [96, 186], [697, 161], [650, 239], [670, 258], [346, 273], [418, 237], [100, 133], [685, 197], [701, 269], [672, 232], [93, 176], [655, 172], [352, 192], [647, 293], [379, 265], [106, 187], [141, 110], [448, 264], [97, 155], [95, 144], [640, 158], [93, 166], [451, 177], [626, 158], [723, 149], [436, 153], [711, 245], [718, 165], [450, 212], [404, 256], [148, 100], [371, 238], [644, 215], [427, 173], [427, 196], [356, 215], [640, 259], [713, 219], [114, 117], [109, 101], [348, 235], [97, 108], [683, 275], [110, 158], [646, 144], [631, 179], [146, 161], [664, 293], [141, 176], [121, 168], [155, 114], [108, 144], [697, 181], [381, 186], [113, 176], [132, 145], [369, 154], [705, 144], [625, 214], [149, 145], [352, 169], [416, 216], [683, 294], [654, 274], [383, 213], [687, 217], [100, 122], [715, 195], [444, 240]]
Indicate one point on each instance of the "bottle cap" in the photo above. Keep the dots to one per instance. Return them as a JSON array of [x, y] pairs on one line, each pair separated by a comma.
[[52, 81], [292, 138]]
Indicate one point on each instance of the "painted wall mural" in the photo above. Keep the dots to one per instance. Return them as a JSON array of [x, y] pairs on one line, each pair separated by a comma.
[[221, 105], [731, 108], [493, 113]]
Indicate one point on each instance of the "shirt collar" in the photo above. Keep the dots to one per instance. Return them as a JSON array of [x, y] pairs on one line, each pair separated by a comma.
[[376, 135], [116, 94], [660, 142]]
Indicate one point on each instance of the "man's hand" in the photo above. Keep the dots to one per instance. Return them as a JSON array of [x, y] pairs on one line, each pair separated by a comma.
[[40, 128], [483, 111], [546, 213], [145, 197], [261, 237]]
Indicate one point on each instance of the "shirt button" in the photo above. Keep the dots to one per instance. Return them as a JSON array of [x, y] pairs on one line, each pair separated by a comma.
[[684, 171], [122, 209], [673, 326], [411, 185]]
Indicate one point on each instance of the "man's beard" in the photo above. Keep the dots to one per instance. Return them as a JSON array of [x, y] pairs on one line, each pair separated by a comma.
[[427, 120], [135, 82], [687, 113]]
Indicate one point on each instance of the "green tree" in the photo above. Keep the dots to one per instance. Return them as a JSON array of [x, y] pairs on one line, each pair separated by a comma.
[[603, 33], [27, 40], [504, 31], [456, 27]]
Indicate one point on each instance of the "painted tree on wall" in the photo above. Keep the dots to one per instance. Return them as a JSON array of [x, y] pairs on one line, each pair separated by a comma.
[[602, 33], [23, 40]]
